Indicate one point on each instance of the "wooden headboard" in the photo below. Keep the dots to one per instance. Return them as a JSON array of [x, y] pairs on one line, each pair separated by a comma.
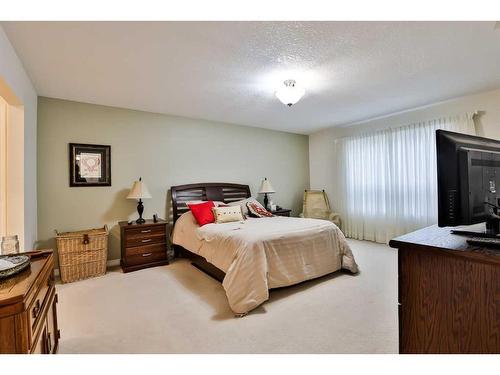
[[213, 191]]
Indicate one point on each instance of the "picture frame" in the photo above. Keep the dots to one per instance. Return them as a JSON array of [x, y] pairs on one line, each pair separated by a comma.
[[89, 165]]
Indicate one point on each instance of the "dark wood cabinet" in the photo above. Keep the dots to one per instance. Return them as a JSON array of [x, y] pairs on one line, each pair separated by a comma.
[[28, 312], [449, 294], [282, 212], [143, 245]]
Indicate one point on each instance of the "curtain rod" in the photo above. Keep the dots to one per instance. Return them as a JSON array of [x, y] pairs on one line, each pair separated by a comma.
[[365, 132]]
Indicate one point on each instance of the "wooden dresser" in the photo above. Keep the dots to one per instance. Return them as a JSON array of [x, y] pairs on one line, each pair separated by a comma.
[[143, 245], [449, 294], [28, 318]]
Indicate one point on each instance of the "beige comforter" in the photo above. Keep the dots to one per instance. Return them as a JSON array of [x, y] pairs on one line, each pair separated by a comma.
[[260, 254]]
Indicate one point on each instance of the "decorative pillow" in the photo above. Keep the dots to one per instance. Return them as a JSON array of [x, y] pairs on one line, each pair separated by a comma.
[[202, 212], [227, 214], [257, 210], [243, 204]]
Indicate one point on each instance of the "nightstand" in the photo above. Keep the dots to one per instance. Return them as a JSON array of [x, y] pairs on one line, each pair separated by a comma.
[[282, 212], [143, 245]]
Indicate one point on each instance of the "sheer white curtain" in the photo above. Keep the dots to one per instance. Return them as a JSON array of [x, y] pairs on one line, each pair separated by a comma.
[[387, 179]]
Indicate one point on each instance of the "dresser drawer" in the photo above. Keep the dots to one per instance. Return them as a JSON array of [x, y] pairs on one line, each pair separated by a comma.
[[140, 250], [147, 257], [143, 240], [39, 347], [37, 306]]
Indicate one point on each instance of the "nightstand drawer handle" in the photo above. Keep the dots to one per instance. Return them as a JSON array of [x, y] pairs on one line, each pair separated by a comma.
[[148, 240], [146, 231], [147, 254]]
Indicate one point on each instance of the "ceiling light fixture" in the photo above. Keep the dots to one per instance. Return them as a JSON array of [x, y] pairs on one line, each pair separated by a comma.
[[290, 93]]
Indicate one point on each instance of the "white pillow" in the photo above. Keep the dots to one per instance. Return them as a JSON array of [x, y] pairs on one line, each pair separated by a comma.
[[243, 204], [227, 214]]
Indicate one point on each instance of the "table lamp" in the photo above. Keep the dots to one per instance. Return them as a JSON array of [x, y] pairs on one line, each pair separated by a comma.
[[139, 191], [266, 188]]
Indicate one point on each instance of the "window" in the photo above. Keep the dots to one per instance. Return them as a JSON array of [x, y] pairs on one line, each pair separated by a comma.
[[11, 163], [387, 179]]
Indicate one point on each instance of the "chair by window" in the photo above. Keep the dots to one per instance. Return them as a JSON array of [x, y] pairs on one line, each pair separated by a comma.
[[316, 206]]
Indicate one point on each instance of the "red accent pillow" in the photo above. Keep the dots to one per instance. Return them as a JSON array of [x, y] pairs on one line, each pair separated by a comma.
[[202, 212]]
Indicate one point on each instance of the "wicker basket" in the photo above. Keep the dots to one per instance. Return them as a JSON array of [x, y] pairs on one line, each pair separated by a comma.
[[82, 254]]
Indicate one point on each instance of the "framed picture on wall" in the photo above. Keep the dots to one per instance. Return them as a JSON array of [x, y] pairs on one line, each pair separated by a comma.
[[89, 165]]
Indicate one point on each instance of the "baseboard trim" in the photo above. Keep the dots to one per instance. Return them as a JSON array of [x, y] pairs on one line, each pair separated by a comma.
[[109, 264], [112, 263]]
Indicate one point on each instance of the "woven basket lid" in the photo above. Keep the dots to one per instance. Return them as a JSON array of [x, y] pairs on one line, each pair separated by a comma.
[[89, 232]]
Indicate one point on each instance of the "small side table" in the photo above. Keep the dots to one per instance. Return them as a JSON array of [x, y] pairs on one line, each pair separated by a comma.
[[143, 245], [282, 212]]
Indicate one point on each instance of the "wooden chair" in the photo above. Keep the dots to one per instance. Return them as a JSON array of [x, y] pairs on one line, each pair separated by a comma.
[[315, 205]]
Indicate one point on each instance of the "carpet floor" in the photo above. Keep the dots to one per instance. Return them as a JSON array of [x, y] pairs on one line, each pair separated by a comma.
[[179, 309]]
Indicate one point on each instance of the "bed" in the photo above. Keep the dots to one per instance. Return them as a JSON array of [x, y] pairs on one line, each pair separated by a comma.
[[258, 254]]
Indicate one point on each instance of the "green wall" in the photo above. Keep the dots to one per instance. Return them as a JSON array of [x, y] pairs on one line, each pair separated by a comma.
[[164, 150]]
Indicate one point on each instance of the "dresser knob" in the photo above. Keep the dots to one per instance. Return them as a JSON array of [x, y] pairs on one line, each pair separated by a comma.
[[146, 231], [147, 254], [148, 240]]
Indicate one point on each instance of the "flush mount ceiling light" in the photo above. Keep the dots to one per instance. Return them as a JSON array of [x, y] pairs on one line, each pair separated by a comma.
[[290, 93]]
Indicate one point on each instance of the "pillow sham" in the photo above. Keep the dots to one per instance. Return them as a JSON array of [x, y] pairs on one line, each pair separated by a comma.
[[202, 212], [257, 210], [243, 204], [227, 214]]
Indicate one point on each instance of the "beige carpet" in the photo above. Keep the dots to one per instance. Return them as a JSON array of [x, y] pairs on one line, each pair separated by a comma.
[[179, 309]]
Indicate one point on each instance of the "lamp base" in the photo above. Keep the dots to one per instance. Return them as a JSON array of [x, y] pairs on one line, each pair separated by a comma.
[[140, 210], [266, 201]]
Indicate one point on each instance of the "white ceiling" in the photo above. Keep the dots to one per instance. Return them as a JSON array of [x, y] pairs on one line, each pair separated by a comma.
[[228, 71]]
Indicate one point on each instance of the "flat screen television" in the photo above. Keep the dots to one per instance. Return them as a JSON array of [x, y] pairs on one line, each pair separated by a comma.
[[468, 173]]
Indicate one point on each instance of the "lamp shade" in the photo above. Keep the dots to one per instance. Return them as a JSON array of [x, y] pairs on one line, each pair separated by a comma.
[[266, 187], [139, 191]]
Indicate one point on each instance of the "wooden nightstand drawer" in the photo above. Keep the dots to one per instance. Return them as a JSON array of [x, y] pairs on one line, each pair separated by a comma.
[[282, 212], [145, 231], [139, 250], [144, 240], [145, 258]]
